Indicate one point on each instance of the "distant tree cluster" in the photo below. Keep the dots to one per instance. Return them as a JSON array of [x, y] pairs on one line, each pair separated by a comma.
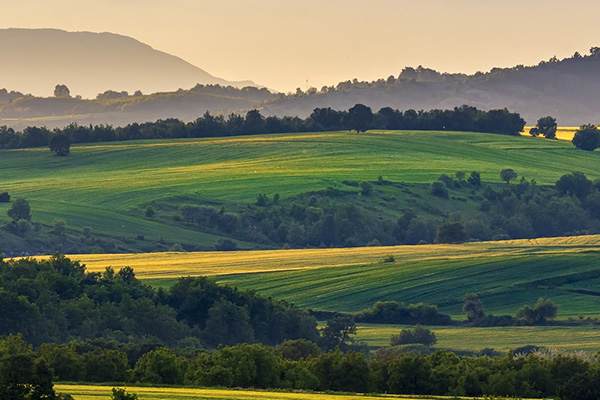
[[359, 118]]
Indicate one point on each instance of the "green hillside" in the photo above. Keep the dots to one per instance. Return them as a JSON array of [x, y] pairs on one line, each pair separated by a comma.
[[107, 186], [505, 276]]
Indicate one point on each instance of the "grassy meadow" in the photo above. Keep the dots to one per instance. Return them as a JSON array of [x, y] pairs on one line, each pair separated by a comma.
[[106, 186], [505, 274], [96, 392], [570, 338]]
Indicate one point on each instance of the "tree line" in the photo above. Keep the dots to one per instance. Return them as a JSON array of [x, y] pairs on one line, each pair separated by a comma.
[[358, 118], [299, 365]]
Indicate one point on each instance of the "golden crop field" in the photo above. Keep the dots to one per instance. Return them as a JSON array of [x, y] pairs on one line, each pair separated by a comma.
[[174, 264], [562, 132], [95, 392]]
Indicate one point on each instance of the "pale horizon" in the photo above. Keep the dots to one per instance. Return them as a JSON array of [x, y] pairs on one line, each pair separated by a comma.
[[285, 45]]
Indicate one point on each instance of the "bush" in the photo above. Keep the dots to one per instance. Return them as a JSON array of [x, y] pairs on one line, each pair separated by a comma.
[[121, 394], [149, 212], [413, 336], [4, 197], [439, 189]]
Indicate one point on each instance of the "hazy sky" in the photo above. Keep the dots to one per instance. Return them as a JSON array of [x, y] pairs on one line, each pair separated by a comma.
[[283, 43]]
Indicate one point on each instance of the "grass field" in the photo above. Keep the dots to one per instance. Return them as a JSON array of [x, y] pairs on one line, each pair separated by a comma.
[[95, 392], [571, 338], [106, 186], [505, 274]]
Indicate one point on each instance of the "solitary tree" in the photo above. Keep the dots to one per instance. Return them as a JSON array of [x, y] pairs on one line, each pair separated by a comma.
[[587, 137], [473, 307], [359, 118], [508, 175], [547, 127], [62, 91], [20, 210], [60, 144]]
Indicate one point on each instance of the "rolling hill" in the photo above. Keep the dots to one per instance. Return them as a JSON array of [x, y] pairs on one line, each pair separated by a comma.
[[565, 89], [108, 186], [91, 63], [506, 275]]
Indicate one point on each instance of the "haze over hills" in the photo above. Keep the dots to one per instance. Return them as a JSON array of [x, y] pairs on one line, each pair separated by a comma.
[[565, 89], [91, 63]]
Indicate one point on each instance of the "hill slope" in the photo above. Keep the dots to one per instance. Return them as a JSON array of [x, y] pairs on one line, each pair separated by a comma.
[[505, 274], [91, 63], [108, 186], [566, 90]]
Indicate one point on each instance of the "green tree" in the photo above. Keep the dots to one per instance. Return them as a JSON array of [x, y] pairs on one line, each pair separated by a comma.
[[451, 232], [587, 137], [474, 179], [60, 144], [20, 210], [4, 197], [22, 376], [574, 184], [61, 91], [473, 307], [159, 366], [417, 335], [121, 394], [543, 309], [337, 332], [547, 127], [149, 213], [508, 175], [359, 118]]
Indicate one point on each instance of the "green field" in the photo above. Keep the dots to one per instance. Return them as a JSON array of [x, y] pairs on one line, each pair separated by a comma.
[[571, 338], [505, 279], [106, 186], [96, 392], [506, 275]]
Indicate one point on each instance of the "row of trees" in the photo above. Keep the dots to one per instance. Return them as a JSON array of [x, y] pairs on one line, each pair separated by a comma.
[[359, 118], [587, 137], [299, 364]]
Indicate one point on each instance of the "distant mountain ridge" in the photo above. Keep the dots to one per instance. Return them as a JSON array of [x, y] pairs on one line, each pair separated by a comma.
[[566, 89], [91, 63]]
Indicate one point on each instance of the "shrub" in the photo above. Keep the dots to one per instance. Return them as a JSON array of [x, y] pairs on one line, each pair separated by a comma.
[[439, 189], [4, 197], [413, 336], [149, 212]]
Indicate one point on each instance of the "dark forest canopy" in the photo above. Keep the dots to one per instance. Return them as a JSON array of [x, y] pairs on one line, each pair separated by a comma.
[[56, 300], [463, 118]]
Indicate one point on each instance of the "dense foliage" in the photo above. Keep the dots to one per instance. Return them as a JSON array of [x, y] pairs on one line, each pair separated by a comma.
[[57, 300], [359, 118], [298, 364]]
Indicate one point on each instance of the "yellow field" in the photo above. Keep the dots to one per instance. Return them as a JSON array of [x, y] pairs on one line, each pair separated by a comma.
[[214, 263], [562, 133], [90, 392]]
